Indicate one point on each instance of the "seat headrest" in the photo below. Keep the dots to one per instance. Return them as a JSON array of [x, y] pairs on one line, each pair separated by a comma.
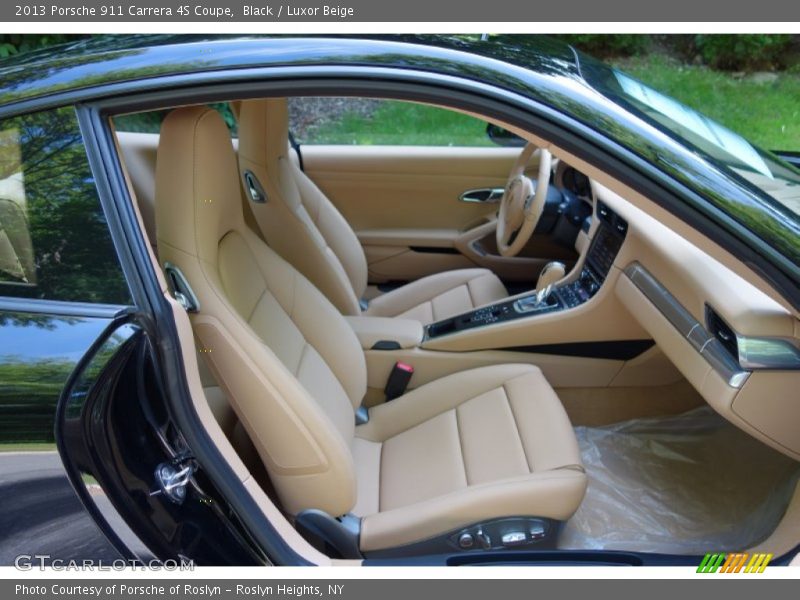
[[198, 199], [264, 131]]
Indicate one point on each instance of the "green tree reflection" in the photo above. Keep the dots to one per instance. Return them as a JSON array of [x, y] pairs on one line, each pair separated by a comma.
[[73, 253]]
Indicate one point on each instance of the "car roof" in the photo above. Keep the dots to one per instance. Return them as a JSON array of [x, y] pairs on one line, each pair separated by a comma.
[[108, 59]]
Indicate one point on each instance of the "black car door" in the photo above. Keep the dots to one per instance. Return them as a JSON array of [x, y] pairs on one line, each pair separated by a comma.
[[91, 464]]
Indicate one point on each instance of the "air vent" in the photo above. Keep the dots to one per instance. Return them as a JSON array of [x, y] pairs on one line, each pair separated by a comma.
[[722, 331]]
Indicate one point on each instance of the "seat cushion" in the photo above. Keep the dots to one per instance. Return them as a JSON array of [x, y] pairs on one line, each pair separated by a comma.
[[479, 444], [440, 296]]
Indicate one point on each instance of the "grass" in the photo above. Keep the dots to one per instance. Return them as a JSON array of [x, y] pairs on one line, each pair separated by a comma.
[[405, 123], [27, 447], [767, 114]]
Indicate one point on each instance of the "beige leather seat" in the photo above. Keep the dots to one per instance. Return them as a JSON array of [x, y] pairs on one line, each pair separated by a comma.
[[477, 445], [304, 227]]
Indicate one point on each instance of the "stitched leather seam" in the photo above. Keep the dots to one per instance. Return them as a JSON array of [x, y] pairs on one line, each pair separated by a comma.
[[255, 306], [469, 293], [299, 364], [380, 478], [516, 427], [461, 448]]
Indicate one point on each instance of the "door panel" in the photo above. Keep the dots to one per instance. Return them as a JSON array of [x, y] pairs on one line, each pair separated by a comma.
[[41, 513], [407, 187], [405, 204], [394, 263], [395, 254], [130, 465]]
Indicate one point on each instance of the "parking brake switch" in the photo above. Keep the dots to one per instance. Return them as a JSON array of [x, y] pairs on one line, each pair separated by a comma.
[[483, 539]]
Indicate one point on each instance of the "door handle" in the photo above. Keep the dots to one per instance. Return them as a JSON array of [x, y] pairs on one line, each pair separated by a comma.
[[482, 195]]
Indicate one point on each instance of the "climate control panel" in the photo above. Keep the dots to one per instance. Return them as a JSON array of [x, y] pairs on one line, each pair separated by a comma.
[[602, 253]]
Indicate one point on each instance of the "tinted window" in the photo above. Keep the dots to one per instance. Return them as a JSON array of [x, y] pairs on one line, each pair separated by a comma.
[[367, 121], [761, 169], [150, 122], [54, 241]]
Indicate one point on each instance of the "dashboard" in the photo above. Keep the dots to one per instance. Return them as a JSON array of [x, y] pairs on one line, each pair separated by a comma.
[[640, 278]]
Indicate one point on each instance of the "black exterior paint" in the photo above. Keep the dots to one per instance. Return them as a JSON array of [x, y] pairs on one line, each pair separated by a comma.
[[41, 513], [37, 354], [57, 338], [113, 428]]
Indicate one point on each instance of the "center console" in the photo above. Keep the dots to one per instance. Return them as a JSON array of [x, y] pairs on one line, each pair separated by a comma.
[[603, 250]]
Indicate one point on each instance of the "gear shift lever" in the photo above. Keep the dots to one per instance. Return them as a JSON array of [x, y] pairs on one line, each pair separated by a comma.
[[537, 301], [543, 294], [552, 272]]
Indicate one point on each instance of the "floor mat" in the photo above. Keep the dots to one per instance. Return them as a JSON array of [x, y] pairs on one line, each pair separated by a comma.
[[688, 484]]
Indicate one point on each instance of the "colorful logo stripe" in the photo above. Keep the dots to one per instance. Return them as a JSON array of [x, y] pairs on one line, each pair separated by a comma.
[[734, 562]]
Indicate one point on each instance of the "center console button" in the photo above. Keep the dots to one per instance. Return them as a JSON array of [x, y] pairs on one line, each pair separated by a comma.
[[466, 541], [537, 530], [484, 539], [514, 538]]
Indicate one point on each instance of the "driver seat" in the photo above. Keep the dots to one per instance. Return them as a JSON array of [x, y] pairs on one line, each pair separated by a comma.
[[304, 227]]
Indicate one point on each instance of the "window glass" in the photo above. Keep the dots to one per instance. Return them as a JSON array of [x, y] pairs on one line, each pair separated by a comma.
[[773, 177], [366, 121], [150, 122], [54, 240]]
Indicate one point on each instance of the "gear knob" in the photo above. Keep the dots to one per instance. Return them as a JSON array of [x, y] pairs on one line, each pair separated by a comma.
[[552, 272]]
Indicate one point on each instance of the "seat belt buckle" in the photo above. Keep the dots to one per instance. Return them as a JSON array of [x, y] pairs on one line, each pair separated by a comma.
[[398, 380]]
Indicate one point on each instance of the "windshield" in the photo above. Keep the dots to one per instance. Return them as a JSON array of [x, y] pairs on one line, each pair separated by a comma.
[[773, 177]]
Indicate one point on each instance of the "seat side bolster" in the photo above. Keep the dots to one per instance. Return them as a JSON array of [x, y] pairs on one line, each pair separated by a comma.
[[367, 463], [555, 494], [543, 424], [486, 289], [334, 228]]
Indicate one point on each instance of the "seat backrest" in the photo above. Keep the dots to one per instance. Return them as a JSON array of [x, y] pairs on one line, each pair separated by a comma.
[[298, 221], [139, 156], [289, 363]]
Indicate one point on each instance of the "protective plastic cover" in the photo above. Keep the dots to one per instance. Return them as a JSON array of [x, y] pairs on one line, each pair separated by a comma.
[[687, 484]]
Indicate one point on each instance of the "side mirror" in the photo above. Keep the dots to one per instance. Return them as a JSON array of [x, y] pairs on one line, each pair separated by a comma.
[[503, 137]]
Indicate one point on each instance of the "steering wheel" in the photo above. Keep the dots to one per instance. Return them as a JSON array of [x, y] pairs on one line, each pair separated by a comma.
[[523, 201]]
